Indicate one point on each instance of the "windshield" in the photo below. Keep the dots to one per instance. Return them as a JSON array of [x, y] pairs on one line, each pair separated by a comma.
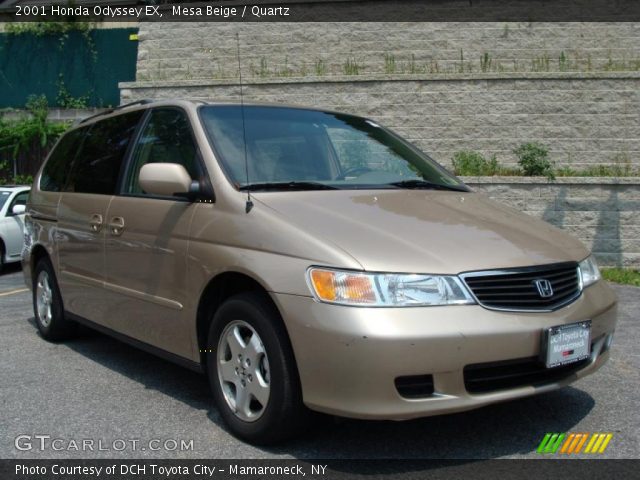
[[291, 148], [4, 196]]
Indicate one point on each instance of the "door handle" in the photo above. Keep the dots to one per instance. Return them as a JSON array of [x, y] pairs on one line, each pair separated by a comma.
[[116, 225], [95, 223]]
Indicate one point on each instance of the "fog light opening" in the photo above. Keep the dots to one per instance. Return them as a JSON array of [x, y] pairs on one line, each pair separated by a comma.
[[415, 386]]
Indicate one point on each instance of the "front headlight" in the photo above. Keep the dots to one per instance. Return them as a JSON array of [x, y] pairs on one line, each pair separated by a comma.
[[386, 289], [589, 273]]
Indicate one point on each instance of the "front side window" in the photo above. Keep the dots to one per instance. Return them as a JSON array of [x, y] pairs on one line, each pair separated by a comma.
[[293, 148], [165, 138], [97, 165]]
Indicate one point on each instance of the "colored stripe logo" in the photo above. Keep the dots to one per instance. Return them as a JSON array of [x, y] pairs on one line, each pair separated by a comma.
[[574, 443]]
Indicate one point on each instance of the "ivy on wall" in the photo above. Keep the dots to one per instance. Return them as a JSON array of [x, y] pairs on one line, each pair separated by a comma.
[[26, 140], [60, 30]]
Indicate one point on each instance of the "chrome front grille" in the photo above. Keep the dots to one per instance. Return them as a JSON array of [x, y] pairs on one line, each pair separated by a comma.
[[517, 289]]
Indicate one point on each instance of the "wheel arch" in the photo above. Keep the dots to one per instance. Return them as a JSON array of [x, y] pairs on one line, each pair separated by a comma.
[[38, 252], [220, 288]]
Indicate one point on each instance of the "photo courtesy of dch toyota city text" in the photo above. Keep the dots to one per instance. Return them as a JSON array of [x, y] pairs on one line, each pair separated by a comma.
[[319, 238]]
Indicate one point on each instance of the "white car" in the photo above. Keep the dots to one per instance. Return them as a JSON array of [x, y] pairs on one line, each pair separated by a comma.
[[13, 201]]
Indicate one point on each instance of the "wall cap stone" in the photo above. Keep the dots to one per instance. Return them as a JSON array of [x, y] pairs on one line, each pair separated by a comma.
[[386, 78], [55, 113]]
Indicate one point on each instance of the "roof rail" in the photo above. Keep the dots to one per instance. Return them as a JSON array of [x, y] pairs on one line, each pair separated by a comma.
[[144, 101]]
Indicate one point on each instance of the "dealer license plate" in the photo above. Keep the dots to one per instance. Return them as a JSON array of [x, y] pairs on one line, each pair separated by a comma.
[[566, 344]]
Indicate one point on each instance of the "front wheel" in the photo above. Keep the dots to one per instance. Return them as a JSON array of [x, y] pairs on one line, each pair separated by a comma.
[[252, 371], [47, 304]]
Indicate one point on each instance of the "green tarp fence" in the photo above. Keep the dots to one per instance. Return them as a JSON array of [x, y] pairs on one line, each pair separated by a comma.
[[76, 66]]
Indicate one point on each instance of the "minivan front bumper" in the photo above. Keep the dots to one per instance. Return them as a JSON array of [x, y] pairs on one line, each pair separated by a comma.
[[350, 358]]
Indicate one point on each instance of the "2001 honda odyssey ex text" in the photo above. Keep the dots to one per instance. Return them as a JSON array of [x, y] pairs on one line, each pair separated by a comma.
[[306, 260]]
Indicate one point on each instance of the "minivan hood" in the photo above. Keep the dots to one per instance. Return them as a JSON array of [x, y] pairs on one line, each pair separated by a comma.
[[425, 231]]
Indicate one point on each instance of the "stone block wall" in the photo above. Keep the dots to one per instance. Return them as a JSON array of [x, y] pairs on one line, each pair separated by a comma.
[[186, 51], [489, 87], [485, 86], [584, 119]]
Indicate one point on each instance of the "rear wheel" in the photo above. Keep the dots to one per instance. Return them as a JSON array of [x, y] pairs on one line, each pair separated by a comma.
[[47, 304], [252, 371], [1, 256]]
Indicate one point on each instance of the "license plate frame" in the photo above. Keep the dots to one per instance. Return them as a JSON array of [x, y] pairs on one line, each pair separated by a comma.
[[566, 344]]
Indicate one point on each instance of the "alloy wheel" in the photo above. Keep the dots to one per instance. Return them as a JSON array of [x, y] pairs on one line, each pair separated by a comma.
[[243, 371], [44, 299]]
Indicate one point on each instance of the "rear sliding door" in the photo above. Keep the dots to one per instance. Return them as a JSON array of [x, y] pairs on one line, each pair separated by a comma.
[[82, 214]]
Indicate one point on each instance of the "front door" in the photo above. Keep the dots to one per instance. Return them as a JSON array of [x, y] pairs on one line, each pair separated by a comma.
[[147, 241]]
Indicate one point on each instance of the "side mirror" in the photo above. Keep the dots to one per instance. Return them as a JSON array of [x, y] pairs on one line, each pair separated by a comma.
[[19, 209], [165, 179]]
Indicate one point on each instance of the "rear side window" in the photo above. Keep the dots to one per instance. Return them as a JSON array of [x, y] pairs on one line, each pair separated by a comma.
[[97, 166], [55, 172]]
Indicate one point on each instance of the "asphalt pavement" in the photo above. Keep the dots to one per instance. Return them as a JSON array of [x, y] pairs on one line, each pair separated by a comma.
[[94, 397]]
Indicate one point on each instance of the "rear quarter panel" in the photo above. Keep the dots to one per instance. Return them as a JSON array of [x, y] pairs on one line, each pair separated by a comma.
[[40, 222]]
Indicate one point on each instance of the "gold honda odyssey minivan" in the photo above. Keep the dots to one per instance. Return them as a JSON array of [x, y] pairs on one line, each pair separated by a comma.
[[305, 260]]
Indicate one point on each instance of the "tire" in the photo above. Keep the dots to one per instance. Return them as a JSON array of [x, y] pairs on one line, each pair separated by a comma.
[[1, 256], [47, 304], [252, 371]]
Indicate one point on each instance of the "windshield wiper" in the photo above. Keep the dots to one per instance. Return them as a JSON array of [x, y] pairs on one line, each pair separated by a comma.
[[423, 184], [290, 186]]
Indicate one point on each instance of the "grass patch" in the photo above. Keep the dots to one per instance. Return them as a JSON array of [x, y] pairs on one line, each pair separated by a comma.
[[389, 63], [320, 68], [396, 63], [474, 164], [617, 170], [352, 67], [624, 276], [533, 161]]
